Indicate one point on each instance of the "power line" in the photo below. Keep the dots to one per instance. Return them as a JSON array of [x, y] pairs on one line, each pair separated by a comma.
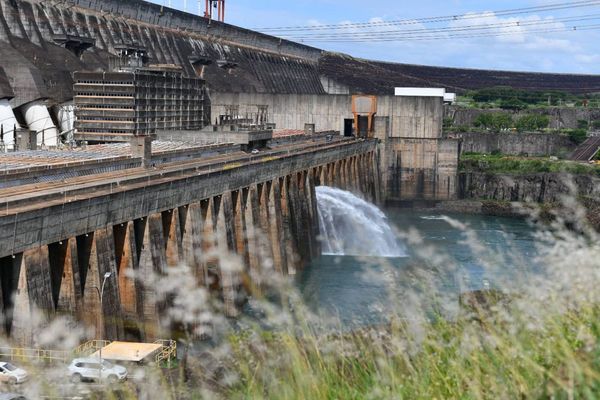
[[448, 18], [467, 28], [392, 38]]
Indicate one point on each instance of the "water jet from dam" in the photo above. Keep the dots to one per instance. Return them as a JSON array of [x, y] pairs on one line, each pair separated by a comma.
[[353, 227]]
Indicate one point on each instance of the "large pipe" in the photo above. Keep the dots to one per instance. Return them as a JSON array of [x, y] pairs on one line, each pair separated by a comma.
[[38, 119], [8, 123], [66, 118]]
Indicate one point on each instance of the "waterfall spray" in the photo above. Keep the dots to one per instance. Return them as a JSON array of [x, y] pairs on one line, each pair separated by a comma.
[[351, 226]]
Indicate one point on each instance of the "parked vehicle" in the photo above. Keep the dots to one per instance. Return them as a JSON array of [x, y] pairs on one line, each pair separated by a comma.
[[91, 369], [12, 374], [12, 396]]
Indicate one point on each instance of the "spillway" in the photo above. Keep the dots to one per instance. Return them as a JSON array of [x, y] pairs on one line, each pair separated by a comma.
[[352, 226]]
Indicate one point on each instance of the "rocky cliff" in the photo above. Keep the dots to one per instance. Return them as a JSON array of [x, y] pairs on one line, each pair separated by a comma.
[[538, 188]]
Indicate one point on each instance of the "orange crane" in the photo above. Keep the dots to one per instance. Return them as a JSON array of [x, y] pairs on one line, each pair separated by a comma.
[[215, 8]]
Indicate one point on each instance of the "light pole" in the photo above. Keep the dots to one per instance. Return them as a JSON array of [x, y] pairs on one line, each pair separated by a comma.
[[101, 295]]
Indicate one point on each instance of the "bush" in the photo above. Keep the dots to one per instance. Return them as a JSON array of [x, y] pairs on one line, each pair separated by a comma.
[[596, 124], [582, 124], [578, 135], [532, 122], [448, 123], [493, 121]]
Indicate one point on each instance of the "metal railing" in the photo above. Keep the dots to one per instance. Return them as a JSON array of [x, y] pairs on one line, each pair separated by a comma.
[[167, 352], [22, 354], [90, 347]]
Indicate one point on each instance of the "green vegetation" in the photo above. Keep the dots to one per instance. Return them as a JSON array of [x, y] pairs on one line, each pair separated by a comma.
[[533, 122], [518, 165], [486, 356], [493, 121], [516, 99], [582, 124], [501, 121], [578, 136]]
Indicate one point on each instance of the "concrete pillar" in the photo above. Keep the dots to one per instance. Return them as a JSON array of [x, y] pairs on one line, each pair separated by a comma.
[[288, 234], [141, 147], [376, 177], [172, 231], [228, 274], [313, 217], [126, 252], [64, 264], [192, 231], [276, 226], [153, 263], [265, 220], [240, 201], [253, 225], [309, 129], [38, 120], [107, 317], [34, 292], [210, 208], [298, 216]]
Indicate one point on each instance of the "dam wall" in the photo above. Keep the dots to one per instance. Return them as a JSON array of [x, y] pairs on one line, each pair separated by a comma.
[[417, 160], [135, 224]]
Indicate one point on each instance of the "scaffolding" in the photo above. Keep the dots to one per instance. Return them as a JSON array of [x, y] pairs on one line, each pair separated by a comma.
[[113, 106]]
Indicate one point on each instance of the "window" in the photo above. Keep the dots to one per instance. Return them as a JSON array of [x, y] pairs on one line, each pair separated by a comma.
[[10, 367]]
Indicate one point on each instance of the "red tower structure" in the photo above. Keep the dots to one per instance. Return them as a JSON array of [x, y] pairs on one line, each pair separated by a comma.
[[215, 8]]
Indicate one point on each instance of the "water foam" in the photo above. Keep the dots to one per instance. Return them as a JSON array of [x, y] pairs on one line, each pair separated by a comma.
[[351, 226]]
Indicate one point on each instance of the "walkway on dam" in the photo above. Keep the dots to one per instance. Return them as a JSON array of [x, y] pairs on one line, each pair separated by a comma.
[[47, 212], [29, 196]]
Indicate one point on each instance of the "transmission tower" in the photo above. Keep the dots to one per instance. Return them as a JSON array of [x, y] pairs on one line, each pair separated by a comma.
[[215, 9]]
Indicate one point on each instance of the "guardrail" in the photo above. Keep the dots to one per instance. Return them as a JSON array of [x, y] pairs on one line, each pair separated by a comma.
[[21, 354], [90, 347], [167, 352]]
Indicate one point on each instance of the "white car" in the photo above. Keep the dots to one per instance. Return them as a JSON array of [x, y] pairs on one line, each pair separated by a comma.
[[91, 369], [10, 373]]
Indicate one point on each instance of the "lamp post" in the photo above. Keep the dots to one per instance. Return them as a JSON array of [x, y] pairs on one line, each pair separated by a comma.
[[101, 296]]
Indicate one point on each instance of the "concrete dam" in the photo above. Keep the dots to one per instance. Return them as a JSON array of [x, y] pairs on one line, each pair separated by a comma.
[[135, 138]]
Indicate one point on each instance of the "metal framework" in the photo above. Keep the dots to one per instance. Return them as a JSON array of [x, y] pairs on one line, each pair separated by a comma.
[[113, 106], [215, 8]]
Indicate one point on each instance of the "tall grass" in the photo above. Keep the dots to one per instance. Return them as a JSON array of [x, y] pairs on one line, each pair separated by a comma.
[[540, 339]]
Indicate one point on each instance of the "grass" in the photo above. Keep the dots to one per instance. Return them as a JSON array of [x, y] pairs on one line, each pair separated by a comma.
[[499, 163], [493, 358], [539, 341]]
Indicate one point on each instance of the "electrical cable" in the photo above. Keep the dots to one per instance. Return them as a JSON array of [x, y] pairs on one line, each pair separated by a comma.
[[448, 18], [467, 28]]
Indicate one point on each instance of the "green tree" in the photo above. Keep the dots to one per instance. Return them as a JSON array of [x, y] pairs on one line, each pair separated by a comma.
[[533, 122], [493, 121], [578, 135]]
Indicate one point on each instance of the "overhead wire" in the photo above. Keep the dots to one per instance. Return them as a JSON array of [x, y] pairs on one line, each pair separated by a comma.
[[467, 28], [427, 20], [457, 36]]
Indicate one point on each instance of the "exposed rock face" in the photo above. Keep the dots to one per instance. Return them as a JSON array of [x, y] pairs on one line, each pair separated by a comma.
[[532, 144], [537, 188], [560, 117]]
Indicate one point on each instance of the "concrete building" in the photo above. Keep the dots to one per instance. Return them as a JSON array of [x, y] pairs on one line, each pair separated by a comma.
[[113, 106]]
